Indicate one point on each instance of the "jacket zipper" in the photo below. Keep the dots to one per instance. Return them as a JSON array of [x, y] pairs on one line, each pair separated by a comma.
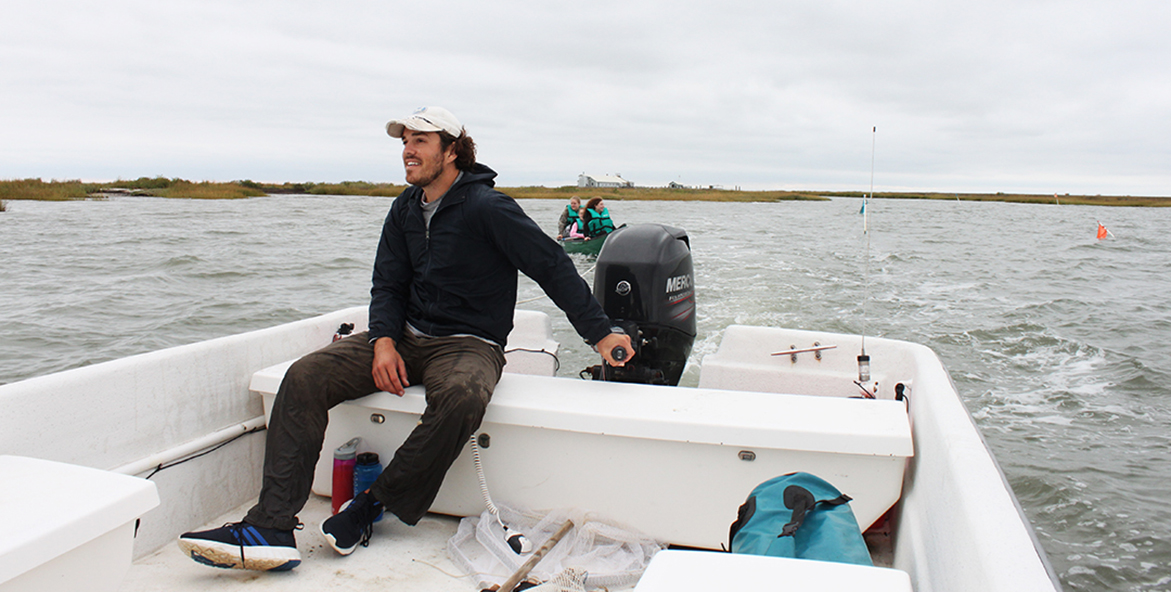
[[430, 251]]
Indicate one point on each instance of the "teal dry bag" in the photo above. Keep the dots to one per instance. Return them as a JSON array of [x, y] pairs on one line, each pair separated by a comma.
[[799, 515]]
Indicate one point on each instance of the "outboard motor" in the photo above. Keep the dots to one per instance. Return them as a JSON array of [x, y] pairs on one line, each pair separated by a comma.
[[646, 284]]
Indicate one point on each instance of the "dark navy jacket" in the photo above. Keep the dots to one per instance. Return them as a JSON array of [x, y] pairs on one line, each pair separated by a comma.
[[460, 277]]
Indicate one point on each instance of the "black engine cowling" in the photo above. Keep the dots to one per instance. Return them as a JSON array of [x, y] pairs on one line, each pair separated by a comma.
[[646, 284]]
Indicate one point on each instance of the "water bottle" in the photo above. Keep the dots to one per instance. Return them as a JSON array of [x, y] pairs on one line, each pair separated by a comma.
[[343, 473], [366, 470]]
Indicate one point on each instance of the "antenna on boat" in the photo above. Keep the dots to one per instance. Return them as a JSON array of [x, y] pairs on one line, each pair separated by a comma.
[[863, 359]]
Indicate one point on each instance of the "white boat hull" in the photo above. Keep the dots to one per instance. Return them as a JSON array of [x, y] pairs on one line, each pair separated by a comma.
[[957, 524]]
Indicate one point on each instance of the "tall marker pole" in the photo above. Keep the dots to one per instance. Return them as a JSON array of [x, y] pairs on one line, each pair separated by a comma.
[[863, 359]]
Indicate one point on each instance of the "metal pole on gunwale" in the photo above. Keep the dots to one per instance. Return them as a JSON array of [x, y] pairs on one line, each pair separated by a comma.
[[863, 359]]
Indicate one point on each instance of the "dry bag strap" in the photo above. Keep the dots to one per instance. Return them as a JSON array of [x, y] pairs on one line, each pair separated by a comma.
[[799, 500]]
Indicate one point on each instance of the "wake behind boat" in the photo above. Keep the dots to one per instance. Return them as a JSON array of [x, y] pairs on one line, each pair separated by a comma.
[[672, 462]]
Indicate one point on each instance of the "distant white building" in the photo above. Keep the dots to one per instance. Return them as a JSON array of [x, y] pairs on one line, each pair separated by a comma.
[[584, 180]]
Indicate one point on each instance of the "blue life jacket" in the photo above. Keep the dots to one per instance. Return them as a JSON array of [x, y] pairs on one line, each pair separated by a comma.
[[802, 516]]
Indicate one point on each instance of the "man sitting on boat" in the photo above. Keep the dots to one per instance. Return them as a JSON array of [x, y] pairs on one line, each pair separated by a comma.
[[441, 307], [599, 218], [569, 218]]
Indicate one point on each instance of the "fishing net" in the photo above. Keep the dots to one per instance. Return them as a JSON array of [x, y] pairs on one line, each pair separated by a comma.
[[611, 554], [570, 580]]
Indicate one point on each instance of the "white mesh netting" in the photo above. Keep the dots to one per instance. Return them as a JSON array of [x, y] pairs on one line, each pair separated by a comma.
[[611, 555], [570, 580]]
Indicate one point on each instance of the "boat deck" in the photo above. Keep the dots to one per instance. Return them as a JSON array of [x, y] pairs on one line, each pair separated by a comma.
[[399, 557]]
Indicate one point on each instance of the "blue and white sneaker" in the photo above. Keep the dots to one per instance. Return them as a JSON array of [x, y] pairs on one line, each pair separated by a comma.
[[353, 524], [240, 545]]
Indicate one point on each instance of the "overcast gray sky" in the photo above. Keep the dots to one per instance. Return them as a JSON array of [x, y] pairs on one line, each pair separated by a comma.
[[1036, 96]]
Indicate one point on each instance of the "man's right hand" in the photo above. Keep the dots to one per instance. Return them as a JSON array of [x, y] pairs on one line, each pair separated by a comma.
[[390, 372], [608, 343]]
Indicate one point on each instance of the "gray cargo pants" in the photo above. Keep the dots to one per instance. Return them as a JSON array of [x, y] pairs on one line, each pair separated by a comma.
[[459, 375]]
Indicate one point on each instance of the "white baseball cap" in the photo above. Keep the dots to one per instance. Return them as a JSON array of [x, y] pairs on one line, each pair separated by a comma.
[[426, 119]]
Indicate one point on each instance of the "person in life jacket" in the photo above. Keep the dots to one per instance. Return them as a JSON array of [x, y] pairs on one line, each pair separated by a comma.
[[576, 230], [569, 217], [600, 222], [582, 228]]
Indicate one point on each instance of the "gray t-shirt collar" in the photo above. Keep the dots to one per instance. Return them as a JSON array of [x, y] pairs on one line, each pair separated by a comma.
[[430, 208]]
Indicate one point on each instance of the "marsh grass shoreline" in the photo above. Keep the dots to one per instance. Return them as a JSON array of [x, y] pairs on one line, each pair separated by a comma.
[[36, 189]]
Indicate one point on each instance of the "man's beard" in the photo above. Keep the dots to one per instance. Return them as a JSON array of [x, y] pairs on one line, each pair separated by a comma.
[[427, 173]]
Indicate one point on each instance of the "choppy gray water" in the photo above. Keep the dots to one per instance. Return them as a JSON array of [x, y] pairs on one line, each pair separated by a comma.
[[1057, 341]]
